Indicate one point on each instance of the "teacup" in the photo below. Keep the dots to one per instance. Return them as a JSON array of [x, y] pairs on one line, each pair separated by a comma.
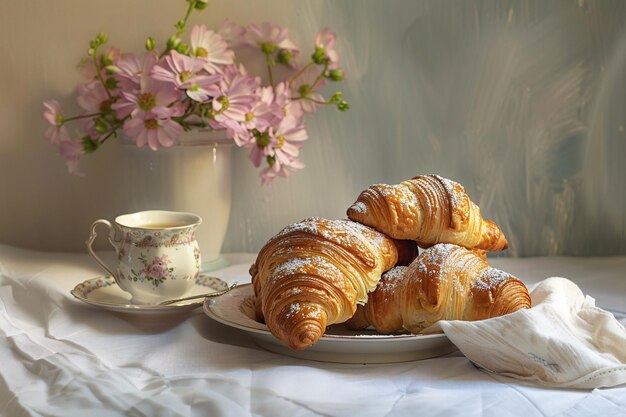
[[158, 257]]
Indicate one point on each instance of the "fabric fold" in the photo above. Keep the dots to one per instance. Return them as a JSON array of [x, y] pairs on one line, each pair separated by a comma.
[[564, 340]]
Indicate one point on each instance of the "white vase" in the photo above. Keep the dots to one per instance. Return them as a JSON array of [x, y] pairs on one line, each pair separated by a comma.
[[194, 176]]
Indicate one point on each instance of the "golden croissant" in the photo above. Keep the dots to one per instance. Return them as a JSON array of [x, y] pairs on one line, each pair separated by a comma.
[[428, 209], [314, 273], [446, 282]]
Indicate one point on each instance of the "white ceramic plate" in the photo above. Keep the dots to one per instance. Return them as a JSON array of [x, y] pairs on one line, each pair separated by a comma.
[[339, 344], [104, 292]]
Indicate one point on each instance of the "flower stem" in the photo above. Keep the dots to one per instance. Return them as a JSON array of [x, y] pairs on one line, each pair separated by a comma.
[[180, 29], [201, 124], [99, 73], [311, 99], [319, 77], [113, 131], [299, 73], [82, 116], [189, 110], [192, 4], [269, 62], [109, 135], [269, 73]]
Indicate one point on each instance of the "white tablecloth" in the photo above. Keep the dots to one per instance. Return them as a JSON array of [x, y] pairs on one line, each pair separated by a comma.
[[60, 357]]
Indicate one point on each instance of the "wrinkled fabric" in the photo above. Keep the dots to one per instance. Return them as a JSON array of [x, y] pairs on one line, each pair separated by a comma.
[[564, 340], [61, 357]]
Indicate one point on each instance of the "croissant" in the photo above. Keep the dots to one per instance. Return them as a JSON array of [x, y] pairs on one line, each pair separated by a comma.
[[382, 309], [428, 209], [314, 273], [446, 282]]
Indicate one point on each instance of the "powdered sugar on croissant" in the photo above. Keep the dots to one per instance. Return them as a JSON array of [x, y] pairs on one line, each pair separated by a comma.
[[314, 273], [428, 209], [446, 282]]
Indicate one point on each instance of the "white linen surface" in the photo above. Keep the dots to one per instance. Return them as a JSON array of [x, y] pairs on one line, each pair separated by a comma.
[[60, 357]]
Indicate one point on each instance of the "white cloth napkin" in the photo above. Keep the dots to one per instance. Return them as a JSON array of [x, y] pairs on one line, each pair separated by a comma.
[[564, 340]]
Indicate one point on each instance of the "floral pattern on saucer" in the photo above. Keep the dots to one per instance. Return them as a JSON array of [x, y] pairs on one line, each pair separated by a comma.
[[88, 286], [104, 292]]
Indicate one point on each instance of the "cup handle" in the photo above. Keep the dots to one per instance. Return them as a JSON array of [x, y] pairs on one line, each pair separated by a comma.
[[92, 237]]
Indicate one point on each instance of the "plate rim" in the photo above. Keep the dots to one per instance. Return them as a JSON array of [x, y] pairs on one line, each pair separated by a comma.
[[208, 302]]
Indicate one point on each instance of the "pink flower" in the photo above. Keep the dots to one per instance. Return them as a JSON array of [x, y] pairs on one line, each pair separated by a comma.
[[305, 87], [325, 48], [157, 269], [267, 176], [152, 96], [287, 139], [151, 129], [52, 113], [279, 146], [234, 130], [155, 100], [72, 150], [260, 147], [92, 97], [232, 33], [284, 170], [133, 73], [269, 37], [263, 111], [184, 73], [129, 69], [56, 133], [210, 46], [283, 101], [235, 97]]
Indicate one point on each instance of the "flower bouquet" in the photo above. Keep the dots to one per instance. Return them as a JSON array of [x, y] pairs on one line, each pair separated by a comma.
[[152, 99]]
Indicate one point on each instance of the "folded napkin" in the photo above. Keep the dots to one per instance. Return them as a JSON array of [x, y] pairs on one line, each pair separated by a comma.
[[564, 340]]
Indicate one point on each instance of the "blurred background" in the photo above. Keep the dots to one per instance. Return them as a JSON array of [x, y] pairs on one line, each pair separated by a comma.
[[523, 102]]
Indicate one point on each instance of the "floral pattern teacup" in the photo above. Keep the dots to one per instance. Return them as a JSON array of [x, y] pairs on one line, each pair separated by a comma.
[[157, 253]]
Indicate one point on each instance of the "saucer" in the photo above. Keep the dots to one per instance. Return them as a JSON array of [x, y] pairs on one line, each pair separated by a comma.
[[104, 292]]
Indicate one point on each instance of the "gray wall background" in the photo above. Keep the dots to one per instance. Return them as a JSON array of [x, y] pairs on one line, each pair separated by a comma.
[[523, 102]]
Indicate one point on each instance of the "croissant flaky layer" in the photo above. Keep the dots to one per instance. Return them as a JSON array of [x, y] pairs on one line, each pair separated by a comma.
[[314, 273], [446, 282], [428, 209]]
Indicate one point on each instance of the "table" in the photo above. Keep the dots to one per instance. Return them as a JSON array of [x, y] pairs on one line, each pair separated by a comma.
[[60, 357]]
